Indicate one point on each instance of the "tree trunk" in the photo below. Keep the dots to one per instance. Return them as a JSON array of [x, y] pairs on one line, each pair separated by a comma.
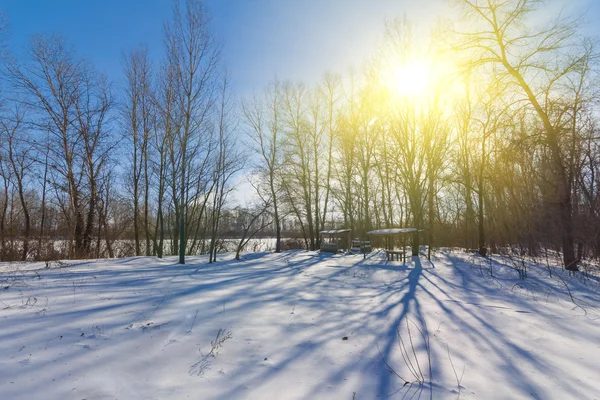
[[481, 196], [43, 216]]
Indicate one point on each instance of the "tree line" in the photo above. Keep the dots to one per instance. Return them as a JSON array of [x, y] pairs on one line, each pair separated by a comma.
[[500, 151], [85, 164]]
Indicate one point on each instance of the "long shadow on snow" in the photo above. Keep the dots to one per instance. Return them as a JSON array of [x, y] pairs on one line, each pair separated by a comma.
[[375, 312], [474, 290], [381, 321]]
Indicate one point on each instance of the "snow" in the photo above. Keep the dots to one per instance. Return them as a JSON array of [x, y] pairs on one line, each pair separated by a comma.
[[141, 328]]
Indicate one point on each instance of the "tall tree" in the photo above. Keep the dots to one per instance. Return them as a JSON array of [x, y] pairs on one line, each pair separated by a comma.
[[168, 124], [17, 151], [228, 161], [194, 53], [330, 90], [70, 100], [537, 60], [138, 112], [263, 116]]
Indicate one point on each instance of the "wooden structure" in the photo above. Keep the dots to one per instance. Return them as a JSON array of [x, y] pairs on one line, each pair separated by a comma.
[[389, 235], [361, 246], [389, 255], [330, 240]]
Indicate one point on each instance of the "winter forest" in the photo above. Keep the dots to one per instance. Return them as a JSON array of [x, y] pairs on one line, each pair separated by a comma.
[[483, 133], [310, 199]]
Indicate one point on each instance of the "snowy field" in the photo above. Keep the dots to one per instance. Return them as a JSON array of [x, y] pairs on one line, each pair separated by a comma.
[[297, 325]]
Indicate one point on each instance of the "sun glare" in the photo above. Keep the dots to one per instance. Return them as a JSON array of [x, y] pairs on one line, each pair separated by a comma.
[[423, 82], [409, 79]]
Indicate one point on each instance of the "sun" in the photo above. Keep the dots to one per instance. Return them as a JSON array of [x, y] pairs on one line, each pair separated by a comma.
[[410, 79], [426, 83]]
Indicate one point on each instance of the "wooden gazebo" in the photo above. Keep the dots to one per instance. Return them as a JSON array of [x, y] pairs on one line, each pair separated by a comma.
[[389, 235]]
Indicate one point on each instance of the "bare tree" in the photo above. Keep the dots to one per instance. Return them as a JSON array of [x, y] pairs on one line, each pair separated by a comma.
[[194, 53], [464, 159], [345, 165], [252, 222], [18, 151], [265, 130], [168, 123], [93, 115], [536, 61], [72, 102], [298, 174], [228, 161], [330, 90], [138, 111], [5, 174]]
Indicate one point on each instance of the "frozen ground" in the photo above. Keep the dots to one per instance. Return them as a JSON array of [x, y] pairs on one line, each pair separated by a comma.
[[273, 326]]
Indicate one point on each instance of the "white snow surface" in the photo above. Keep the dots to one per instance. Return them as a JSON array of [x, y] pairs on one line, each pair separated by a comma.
[[141, 328]]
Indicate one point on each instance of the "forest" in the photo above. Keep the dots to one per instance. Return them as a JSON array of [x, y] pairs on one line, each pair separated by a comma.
[[482, 132]]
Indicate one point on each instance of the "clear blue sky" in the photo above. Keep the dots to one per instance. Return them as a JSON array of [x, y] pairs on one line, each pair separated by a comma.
[[296, 39]]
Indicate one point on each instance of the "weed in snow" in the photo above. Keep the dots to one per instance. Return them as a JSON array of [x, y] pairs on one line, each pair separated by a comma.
[[203, 363]]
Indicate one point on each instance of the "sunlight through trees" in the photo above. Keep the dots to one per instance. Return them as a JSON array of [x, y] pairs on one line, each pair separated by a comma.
[[482, 133]]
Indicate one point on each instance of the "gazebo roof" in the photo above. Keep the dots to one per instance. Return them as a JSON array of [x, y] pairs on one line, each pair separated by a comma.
[[391, 231], [334, 232]]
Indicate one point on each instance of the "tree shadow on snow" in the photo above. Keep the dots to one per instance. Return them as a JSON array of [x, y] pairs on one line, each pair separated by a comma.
[[311, 301]]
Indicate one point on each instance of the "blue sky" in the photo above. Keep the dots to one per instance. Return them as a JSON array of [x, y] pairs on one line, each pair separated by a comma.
[[296, 39]]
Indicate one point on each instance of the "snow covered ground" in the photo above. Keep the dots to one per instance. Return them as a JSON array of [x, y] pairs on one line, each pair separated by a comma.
[[297, 325]]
